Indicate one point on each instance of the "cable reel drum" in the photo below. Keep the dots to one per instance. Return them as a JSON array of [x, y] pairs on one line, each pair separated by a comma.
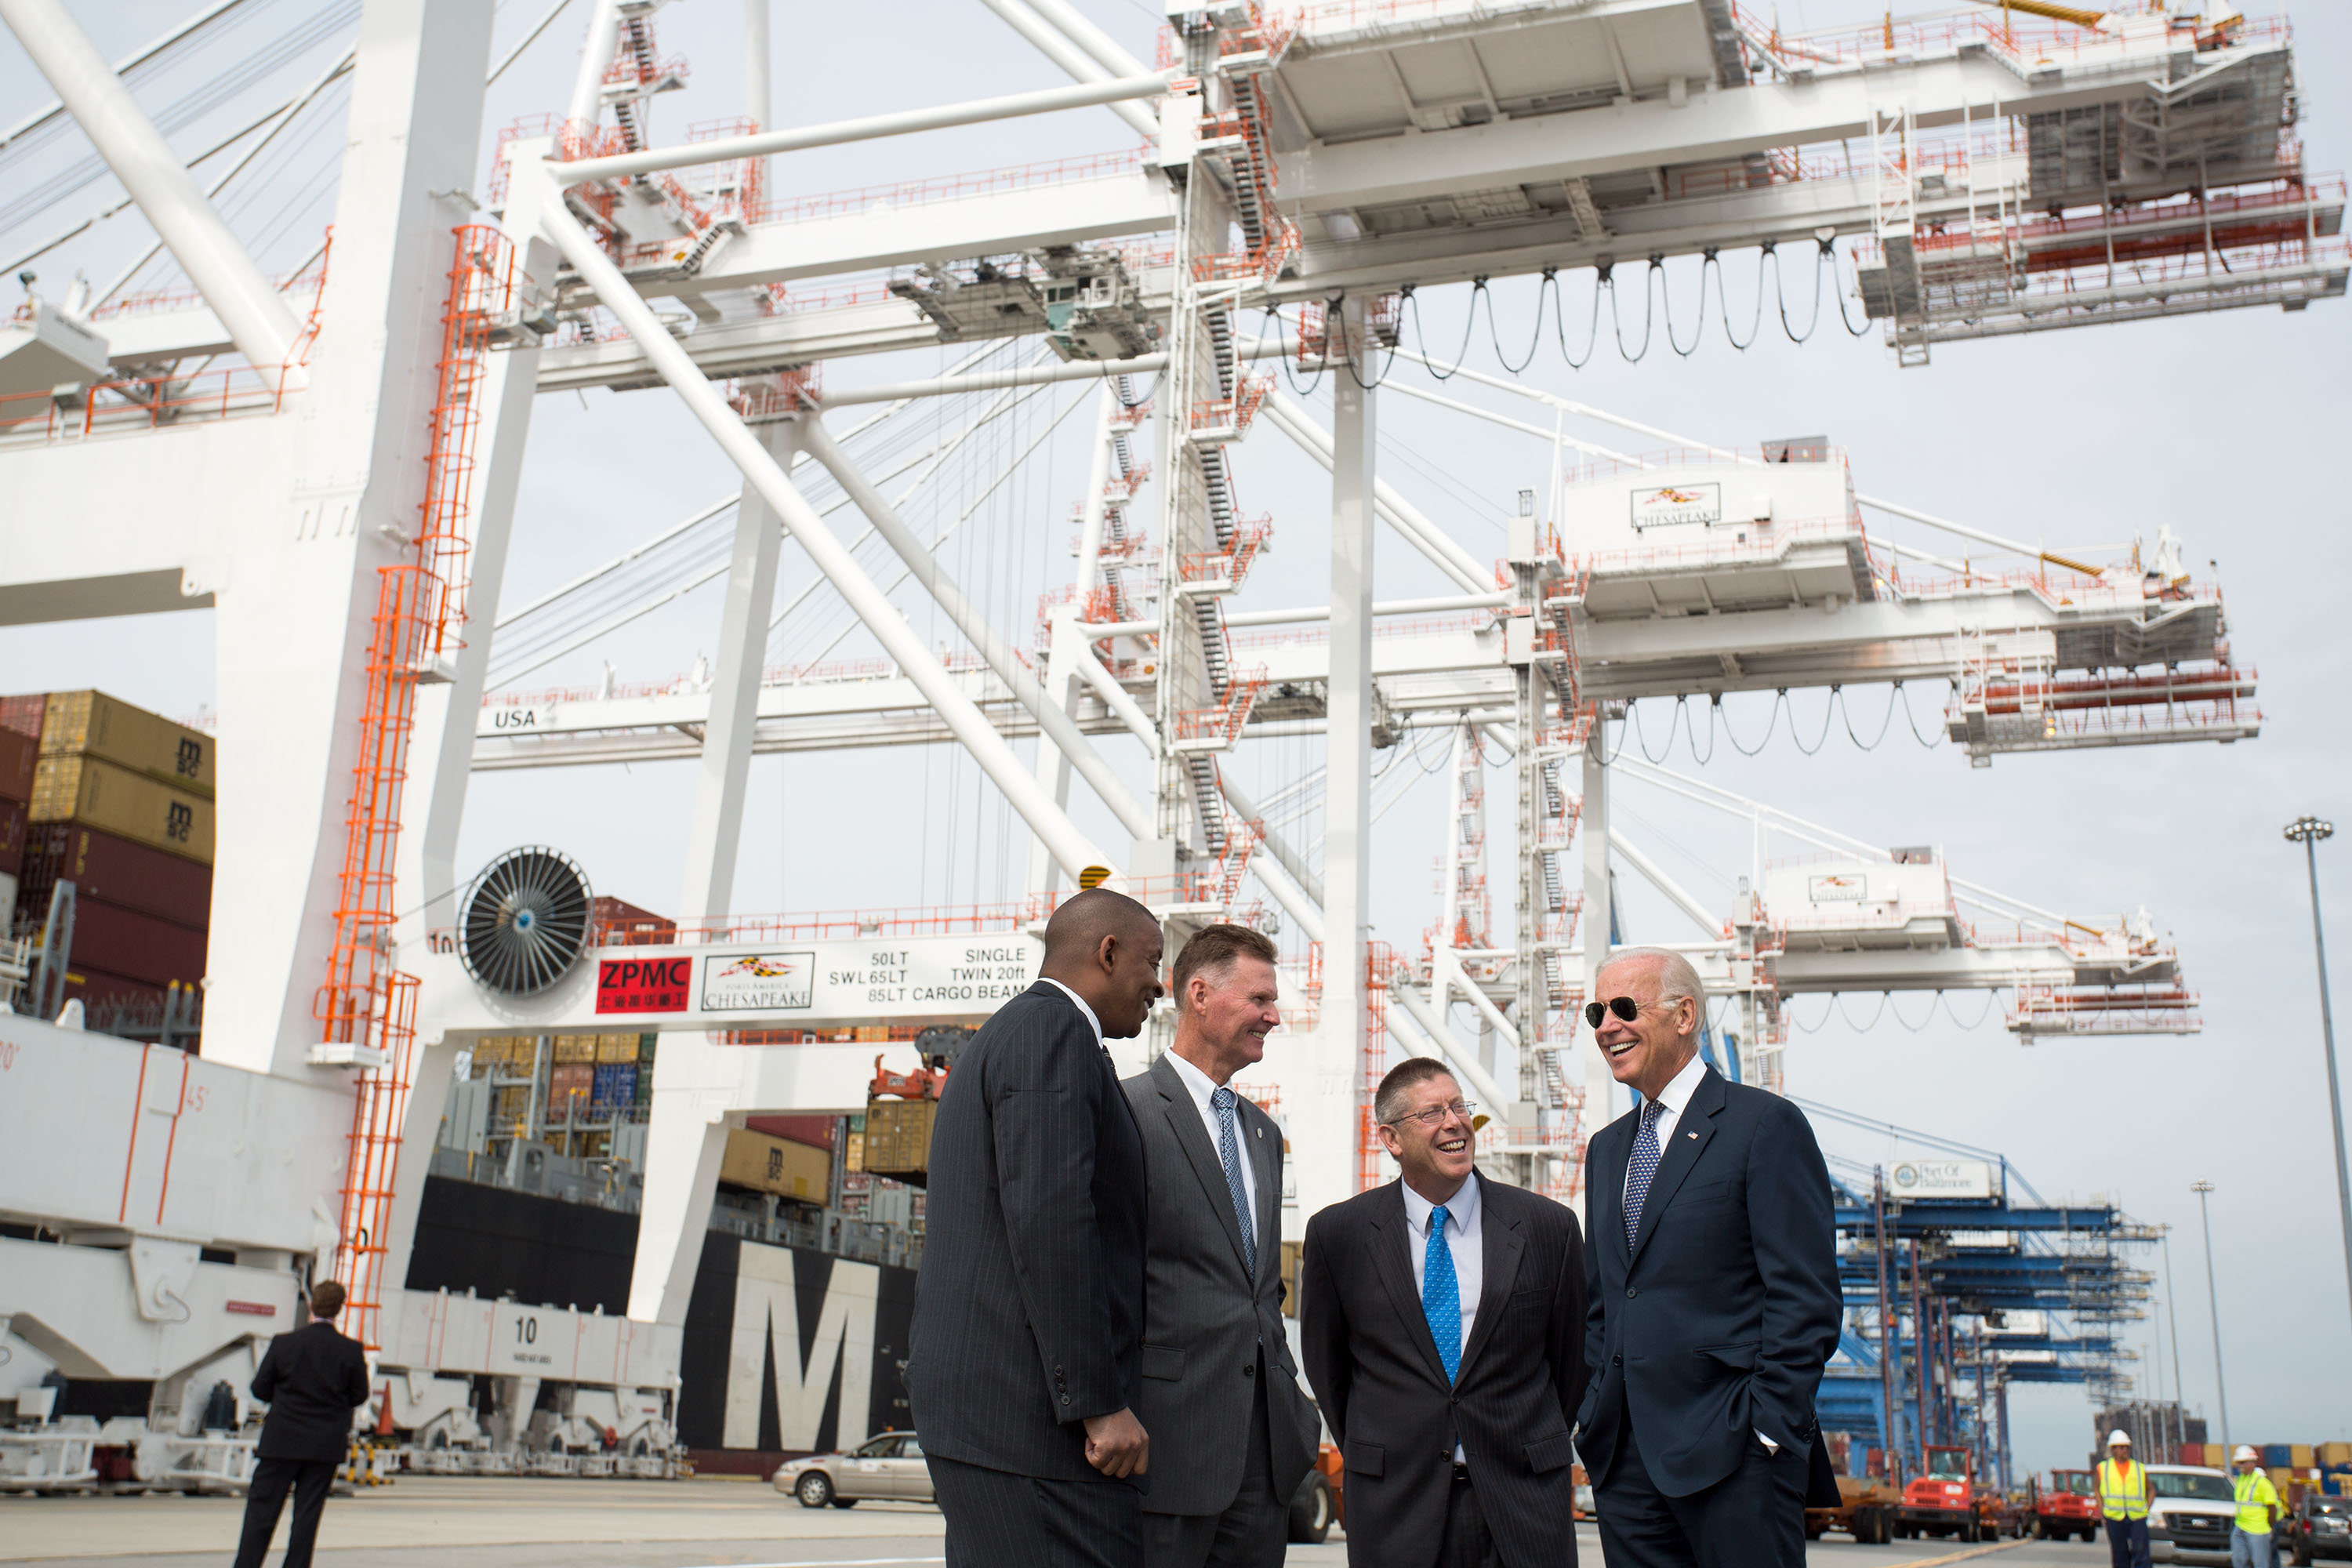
[[524, 922]]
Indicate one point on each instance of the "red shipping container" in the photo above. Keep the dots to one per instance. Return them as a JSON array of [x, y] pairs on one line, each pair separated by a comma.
[[138, 947], [116, 870], [12, 838], [23, 714], [568, 1090], [817, 1131], [19, 755]]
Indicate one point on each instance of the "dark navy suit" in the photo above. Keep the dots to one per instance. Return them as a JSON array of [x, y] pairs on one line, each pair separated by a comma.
[[1711, 1328]]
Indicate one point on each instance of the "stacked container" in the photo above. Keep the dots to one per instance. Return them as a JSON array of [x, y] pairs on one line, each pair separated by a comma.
[[122, 806], [19, 752]]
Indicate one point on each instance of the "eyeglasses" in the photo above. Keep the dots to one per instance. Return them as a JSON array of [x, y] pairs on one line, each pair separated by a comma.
[[1437, 1113], [1625, 1007]]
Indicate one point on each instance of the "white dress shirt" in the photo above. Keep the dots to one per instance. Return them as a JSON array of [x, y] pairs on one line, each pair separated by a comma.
[[1092, 1022], [1674, 1097], [1462, 1239], [1673, 1100], [1202, 1088]]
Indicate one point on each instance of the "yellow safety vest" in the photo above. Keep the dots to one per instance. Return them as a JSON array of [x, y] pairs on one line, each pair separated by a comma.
[[2122, 1490], [2256, 1498]]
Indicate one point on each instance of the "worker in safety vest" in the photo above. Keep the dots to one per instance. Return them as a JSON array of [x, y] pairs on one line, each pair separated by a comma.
[[2124, 1492], [2251, 1542]]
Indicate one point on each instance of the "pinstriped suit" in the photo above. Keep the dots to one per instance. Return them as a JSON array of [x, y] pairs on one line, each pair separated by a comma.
[[1029, 1304], [1220, 1390]]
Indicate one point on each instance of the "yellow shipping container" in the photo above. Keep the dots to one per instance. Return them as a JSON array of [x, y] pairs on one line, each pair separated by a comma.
[[615, 1050], [92, 724], [72, 787], [2301, 1454], [899, 1135], [778, 1165], [2335, 1453], [853, 1152], [571, 1050]]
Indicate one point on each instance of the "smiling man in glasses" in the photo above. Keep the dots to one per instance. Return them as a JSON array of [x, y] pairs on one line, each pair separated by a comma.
[[1714, 1289], [1442, 1320]]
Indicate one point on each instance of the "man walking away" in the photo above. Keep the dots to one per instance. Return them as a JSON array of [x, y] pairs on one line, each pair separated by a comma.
[[311, 1379], [1441, 1320], [2251, 1544], [2124, 1492], [1028, 1326], [1232, 1435], [1715, 1295]]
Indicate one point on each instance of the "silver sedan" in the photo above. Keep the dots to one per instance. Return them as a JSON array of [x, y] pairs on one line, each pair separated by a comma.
[[890, 1466]]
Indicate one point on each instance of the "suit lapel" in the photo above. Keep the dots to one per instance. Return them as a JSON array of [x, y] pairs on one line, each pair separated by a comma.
[[1605, 1203], [1183, 1113], [1693, 1129], [1501, 1244], [1388, 1243]]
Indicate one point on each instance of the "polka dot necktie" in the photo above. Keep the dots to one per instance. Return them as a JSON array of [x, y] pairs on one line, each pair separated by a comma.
[[1644, 1166], [1440, 1295], [1229, 1154]]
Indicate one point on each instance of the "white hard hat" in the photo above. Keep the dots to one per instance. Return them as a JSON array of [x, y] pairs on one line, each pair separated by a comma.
[[2244, 1452], [2119, 1436]]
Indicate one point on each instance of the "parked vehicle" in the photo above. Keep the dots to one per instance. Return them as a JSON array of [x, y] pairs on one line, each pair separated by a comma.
[[2189, 1519], [1942, 1500], [1314, 1507], [1865, 1510], [890, 1466], [2316, 1526], [2068, 1504]]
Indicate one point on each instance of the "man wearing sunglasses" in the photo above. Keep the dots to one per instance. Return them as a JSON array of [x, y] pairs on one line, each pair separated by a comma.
[[1714, 1292], [1440, 1318]]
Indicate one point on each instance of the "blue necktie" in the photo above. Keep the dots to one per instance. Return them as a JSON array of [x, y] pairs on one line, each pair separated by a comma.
[[1644, 1166], [1440, 1295], [1228, 1151]]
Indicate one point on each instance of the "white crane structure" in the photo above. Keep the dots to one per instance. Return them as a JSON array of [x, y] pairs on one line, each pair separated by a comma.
[[331, 466]]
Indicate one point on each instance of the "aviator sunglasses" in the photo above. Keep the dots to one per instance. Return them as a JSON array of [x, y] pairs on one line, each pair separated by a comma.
[[1625, 1007]]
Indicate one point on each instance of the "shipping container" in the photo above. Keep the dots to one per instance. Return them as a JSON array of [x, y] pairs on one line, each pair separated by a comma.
[[645, 1048], [817, 1131], [615, 1049], [615, 1089], [2302, 1459], [575, 1050], [899, 1136], [119, 871], [140, 947], [92, 724], [97, 794], [853, 1151], [511, 1107], [776, 1165], [19, 754], [2277, 1456], [13, 828], [569, 1088], [2335, 1454], [616, 922], [23, 714]]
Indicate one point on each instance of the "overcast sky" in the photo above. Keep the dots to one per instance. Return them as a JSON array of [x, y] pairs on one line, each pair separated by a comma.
[[2219, 428]]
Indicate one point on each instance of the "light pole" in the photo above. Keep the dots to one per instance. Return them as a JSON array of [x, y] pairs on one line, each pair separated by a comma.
[[2213, 1301], [2308, 831]]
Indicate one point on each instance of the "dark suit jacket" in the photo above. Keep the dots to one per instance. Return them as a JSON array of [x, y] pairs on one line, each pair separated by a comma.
[[1719, 1320], [1029, 1304], [1206, 1320], [1383, 1392], [312, 1378]]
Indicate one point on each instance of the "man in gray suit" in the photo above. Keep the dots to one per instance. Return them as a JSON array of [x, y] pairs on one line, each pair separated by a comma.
[[1232, 1435]]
